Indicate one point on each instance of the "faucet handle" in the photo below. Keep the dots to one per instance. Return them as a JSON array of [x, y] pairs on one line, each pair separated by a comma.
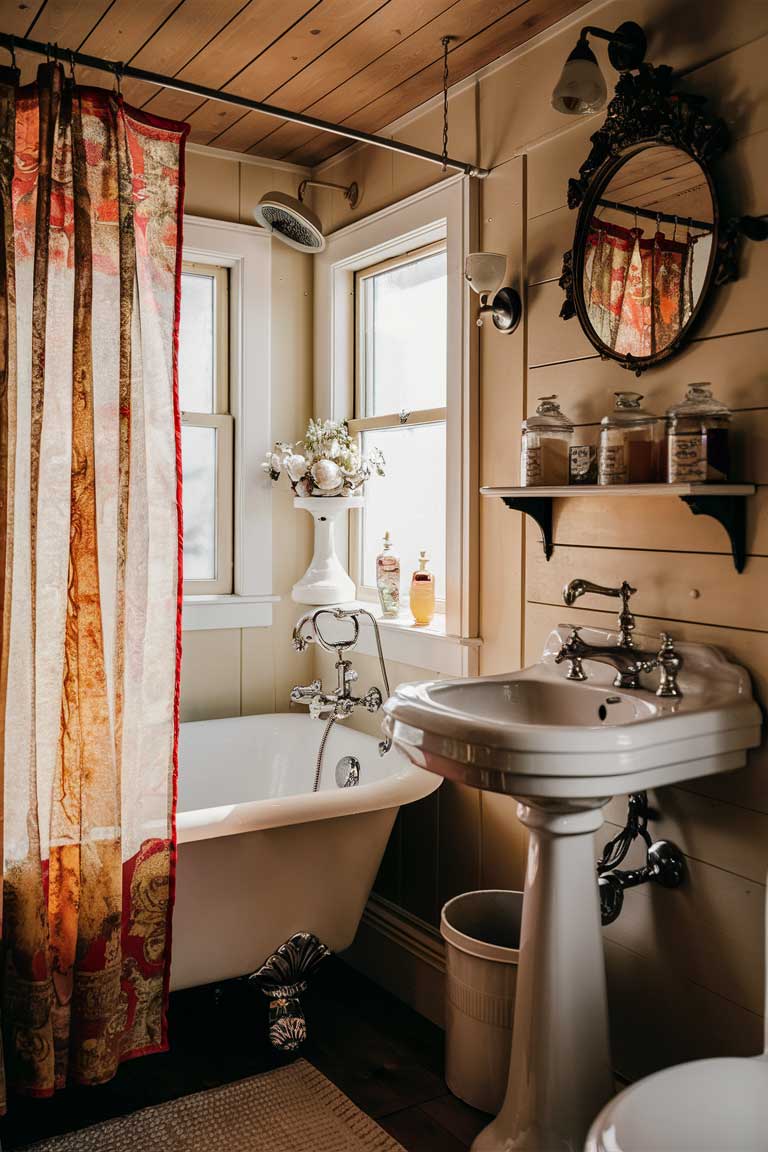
[[670, 663]]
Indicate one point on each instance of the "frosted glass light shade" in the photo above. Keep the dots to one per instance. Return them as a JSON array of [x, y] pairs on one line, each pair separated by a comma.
[[581, 88], [484, 271]]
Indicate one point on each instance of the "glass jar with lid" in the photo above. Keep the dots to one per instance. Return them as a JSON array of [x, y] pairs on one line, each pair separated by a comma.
[[698, 448], [629, 443], [546, 440]]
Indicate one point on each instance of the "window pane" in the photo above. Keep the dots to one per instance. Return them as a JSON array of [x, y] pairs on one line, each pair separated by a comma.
[[409, 502], [407, 345], [196, 354], [198, 455]]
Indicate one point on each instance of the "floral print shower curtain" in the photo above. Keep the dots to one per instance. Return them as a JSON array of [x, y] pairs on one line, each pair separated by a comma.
[[638, 290], [91, 198]]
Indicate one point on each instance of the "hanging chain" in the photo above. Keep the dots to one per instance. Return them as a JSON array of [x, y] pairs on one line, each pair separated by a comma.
[[445, 41]]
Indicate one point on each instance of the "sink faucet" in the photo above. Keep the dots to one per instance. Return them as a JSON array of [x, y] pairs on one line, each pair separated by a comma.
[[628, 660], [340, 703]]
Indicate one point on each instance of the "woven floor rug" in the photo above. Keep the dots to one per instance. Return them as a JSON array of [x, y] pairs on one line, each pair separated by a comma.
[[292, 1109]]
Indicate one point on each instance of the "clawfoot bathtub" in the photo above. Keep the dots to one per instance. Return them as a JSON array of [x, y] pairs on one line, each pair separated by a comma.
[[261, 857]]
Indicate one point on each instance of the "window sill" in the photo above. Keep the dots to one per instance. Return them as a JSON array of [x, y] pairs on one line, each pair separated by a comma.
[[424, 646], [203, 612]]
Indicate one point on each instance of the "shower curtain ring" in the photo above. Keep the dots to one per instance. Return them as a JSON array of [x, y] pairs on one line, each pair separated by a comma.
[[72, 66], [118, 67], [12, 51]]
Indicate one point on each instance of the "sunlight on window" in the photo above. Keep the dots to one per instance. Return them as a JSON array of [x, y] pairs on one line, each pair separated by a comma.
[[408, 344], [196, 352], [198, 454], [409, 502]]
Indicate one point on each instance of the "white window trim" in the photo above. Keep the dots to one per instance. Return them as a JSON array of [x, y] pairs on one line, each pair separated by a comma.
[[447, 211], [246, 251]]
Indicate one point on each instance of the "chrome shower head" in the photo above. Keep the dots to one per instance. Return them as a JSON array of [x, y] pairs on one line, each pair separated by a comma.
[[291, 221]]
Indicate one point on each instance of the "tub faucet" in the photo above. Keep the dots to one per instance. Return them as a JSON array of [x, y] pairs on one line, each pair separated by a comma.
[[340, 703], [627, 660]]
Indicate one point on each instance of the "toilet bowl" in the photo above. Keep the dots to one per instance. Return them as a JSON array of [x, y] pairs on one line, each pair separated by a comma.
[[718, 1105], [707, 1106]]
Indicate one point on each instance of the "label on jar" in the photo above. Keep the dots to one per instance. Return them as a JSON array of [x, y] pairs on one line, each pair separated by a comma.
[[687, 459], [613, 464], [530, 469], [582, 464]]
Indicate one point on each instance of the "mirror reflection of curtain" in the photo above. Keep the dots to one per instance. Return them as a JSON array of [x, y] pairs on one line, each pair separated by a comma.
[[638, 291]]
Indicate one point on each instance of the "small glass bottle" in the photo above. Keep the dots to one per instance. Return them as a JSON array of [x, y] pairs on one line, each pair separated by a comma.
[[388, 578], [423, 592], [546, 440], [698, 448], [629, 443]]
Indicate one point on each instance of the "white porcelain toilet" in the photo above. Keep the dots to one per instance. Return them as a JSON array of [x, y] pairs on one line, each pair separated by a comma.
[[718, 1105]]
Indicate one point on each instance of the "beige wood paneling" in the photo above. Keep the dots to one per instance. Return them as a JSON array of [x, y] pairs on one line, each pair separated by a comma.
[[459, 839], [213, 187], [681, 925], [665, 584], [661, 524], [210, 675], [733, 365], [658, 1020], [504, 843]]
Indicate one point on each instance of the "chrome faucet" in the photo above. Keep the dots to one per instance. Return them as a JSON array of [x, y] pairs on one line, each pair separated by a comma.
[[340, 703], [628, 660]]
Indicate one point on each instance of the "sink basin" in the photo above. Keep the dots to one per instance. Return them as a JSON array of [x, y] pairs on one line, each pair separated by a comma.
[[536, 733], [563, 748]]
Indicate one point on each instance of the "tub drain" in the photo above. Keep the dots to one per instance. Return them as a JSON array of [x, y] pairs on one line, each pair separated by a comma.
[[348, 772]]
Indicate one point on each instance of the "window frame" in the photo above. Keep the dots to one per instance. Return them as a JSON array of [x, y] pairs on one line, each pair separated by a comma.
[[245, 251], [446, 212], [222, 422], [361, 398]]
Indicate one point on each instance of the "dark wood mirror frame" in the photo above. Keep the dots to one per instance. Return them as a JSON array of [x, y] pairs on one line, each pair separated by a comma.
[[646, 112]]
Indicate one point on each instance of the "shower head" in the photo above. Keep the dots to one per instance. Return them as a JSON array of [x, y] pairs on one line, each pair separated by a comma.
[[291, 221]]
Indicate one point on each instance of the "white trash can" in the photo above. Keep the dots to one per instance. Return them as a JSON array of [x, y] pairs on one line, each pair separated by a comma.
[[482, 935]]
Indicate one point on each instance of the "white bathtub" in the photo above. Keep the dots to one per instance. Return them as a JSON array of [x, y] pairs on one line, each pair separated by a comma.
[[260, 855]]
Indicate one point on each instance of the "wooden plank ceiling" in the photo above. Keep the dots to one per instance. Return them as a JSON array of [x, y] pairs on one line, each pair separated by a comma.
[[358, 62]]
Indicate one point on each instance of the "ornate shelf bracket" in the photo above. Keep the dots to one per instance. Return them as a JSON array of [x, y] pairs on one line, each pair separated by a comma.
[[539, 508], [731, 512]]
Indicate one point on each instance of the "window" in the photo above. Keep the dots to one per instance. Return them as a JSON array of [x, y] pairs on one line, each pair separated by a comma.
[[206, 429], [400, 407]]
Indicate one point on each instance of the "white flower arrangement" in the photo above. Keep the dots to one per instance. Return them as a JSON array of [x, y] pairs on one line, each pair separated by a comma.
[[327, 462]]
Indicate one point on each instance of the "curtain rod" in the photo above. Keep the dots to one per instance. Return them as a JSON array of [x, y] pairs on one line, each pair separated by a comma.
[[119, 70], [649, 214]]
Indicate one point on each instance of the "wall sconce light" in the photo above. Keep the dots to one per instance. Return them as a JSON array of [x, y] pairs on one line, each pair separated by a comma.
[[581, 88], [485, 272]]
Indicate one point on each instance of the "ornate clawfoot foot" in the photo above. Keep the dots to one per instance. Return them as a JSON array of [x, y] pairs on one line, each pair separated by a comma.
[[282, 978]]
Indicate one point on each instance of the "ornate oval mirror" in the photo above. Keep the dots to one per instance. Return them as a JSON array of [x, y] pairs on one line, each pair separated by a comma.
[[649, 244], [644, 253]]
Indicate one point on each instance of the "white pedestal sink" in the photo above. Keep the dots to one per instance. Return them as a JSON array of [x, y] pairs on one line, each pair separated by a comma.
[[563, 749]]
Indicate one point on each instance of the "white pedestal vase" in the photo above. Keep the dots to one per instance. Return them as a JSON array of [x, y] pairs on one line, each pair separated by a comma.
[[325, 581]]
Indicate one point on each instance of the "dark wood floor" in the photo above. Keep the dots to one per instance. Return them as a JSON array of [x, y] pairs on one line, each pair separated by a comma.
[[384, 1056]]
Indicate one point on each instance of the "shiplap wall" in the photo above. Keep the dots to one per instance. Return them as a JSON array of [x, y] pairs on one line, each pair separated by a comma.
[[685, 968], [236, 671]]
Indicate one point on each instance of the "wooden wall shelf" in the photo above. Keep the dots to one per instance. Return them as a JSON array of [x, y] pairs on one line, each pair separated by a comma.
[[726, 503]]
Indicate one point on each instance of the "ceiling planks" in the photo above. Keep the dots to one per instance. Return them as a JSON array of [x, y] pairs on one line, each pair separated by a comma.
[[363, 63]]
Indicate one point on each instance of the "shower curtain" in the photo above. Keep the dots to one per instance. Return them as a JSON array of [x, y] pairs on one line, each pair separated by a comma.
[[638, 290], [91, 198]]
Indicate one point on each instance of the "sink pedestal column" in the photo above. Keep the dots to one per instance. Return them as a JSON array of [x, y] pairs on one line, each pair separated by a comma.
[[560, 1070]]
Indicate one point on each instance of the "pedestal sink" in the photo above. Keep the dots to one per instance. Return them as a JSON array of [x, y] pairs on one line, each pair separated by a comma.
[[563, 748]]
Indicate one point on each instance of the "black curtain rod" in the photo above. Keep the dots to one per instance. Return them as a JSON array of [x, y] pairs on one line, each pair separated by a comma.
[[119, 70], [649, 214]]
